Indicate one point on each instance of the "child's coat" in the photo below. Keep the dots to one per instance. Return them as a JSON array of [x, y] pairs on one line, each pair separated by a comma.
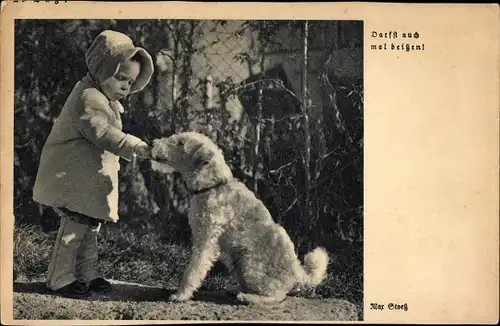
[[79, 162]]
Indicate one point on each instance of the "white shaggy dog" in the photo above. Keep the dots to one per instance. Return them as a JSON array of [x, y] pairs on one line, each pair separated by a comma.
[[229, 223]]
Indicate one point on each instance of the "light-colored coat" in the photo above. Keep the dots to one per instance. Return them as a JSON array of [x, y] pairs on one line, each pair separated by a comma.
[[79, 161]]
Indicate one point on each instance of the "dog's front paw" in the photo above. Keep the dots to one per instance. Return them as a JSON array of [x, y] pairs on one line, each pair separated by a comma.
[[179, 297]]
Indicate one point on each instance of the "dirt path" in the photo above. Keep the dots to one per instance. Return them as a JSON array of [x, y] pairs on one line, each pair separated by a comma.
[[139, 302]]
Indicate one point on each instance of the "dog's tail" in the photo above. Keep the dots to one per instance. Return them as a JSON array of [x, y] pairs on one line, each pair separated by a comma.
[[315, 264]]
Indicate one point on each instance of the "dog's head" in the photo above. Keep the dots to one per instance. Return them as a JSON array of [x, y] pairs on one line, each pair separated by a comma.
[[194, 155]]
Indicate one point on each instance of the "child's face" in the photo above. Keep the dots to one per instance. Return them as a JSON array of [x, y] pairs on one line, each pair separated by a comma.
[[118, 86]]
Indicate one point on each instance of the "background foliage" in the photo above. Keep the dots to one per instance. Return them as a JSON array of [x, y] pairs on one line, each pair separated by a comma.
[[264, 147]]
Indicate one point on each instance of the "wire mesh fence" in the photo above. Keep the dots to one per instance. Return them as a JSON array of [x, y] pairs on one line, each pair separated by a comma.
[[270, 94]]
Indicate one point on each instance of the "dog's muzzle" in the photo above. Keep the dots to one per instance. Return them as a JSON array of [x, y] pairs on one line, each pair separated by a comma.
[[161, 166]]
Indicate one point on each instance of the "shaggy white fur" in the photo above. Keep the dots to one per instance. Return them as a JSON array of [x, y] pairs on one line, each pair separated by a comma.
[[229, 223]]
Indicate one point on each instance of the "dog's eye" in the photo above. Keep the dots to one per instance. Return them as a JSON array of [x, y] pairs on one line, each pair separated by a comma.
[[180, 142]]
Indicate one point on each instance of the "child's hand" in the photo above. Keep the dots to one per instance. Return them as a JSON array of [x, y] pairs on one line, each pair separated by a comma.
[[143, 150]]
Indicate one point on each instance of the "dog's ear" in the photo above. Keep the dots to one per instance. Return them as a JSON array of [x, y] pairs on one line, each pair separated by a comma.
[[202, 156]]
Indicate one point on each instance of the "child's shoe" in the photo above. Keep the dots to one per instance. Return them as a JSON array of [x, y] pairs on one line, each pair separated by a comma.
[[75, 290], [99, 285]]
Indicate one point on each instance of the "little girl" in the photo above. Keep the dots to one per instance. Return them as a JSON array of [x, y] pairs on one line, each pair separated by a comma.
[[79, 164]]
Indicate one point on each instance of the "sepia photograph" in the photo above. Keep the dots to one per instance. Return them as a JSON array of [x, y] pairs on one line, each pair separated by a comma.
[[188, 169], [197, 162]]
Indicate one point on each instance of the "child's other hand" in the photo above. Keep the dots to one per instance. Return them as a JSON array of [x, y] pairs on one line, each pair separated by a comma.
[[143, 150]]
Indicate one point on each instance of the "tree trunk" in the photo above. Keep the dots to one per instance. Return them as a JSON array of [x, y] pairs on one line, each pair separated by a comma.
[[174, 88], [307, 135]]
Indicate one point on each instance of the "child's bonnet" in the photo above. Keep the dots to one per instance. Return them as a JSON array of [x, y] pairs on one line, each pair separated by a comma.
[[108, 50]]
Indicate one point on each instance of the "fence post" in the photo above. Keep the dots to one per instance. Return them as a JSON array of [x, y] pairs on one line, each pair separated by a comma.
[[223, 90], [207, 105], [174, 87], [305, 109], [256, 161], [208, 94]]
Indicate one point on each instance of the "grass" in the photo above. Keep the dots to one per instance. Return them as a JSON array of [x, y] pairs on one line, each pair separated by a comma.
[[32, 250], [143, 257]]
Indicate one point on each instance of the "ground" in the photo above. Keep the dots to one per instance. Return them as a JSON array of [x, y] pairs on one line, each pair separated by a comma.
[[150, 269], [131, 301]]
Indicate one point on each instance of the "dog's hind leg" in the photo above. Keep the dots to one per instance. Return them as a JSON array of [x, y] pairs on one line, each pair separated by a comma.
[[261, 299], [234, 270]]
